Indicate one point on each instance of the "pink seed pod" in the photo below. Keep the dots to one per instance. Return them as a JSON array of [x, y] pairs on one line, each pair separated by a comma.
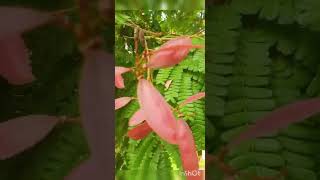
[[157, 111], [140, 132], [19, 134], [188, 150], [14, 60], [137, 118], [96, 107], [121, 102], [16, 20], [119, 82], [279, 119], [171, 53], [193, 98]]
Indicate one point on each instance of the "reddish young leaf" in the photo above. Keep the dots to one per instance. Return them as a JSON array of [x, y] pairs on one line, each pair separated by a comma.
[[137, 118], [278, 119], [14, 61], [171, 53], [121, 102], [188, 150], [193, 98], [17, 20], [119, 82], [19, 134], [140, 132], [96, 105], [157, 111]]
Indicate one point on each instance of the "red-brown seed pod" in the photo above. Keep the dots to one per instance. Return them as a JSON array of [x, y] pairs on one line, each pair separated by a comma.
[[140, 131]]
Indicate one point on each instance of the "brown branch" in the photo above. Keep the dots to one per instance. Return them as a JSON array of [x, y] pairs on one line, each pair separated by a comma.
[[148, 59]]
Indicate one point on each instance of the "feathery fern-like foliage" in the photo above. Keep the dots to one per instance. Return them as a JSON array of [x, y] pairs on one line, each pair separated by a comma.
[[261, 55], [152, 158]]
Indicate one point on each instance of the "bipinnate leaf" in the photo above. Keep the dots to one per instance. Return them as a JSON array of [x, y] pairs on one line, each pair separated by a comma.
[[21, 133]]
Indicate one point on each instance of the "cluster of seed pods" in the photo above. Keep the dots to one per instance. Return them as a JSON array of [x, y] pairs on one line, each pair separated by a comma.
[[155, 114], [20, 133]]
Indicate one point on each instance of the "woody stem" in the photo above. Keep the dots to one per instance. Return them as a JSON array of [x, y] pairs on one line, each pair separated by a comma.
[[148, 60]]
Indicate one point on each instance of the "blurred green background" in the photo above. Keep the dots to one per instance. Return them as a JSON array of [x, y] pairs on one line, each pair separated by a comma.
[[261, 55], [160, 4]]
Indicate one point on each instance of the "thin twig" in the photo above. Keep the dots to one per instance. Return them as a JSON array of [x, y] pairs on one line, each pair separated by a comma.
[[133, 25], [148, 59]]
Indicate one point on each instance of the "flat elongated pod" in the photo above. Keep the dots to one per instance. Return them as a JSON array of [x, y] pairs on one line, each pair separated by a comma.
[[187, 146], [193, 98], [21, 133], [279, 119], [157, 111], [121, 102], [137, 118], [119, 82], [14, 60], [188, 150], [97, 106], [16, 20], [140, 132], [171, 53]]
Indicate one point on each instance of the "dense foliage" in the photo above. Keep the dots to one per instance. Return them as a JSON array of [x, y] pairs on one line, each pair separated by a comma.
[[56, 63], [262, 55], [153, 158]]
